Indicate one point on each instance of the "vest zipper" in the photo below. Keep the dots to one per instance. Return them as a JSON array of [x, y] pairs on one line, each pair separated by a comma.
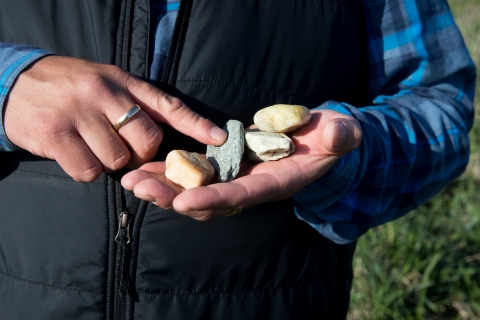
[[122, 278], [127, 34], [122, 282], [123, 285]]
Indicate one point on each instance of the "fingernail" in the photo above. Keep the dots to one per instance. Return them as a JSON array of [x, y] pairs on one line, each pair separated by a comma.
[[340, 135], [218, 134]]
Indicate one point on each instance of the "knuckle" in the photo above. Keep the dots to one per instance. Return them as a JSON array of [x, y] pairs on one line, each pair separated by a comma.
[[96, 85], [171, 103], [91, 83], [153, 138], [131, 82], [121, 76], [149, 140], [50, 126], [179, 110], [119, 162], [204, 124], [44, 125], [113, 155], [114, 70], [89, 174]]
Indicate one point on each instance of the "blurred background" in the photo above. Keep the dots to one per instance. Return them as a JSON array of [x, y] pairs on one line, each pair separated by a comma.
[[426, 265]]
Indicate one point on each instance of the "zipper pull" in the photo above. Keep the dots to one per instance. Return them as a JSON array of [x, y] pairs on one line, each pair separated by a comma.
[[123, 227]]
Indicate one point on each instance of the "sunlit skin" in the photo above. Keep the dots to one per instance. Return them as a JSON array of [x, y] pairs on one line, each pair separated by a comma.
[[63, 108], [319, 144]]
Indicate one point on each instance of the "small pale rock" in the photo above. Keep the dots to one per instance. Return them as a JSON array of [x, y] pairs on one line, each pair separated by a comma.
[[188, 169], [267, 146], [226, 158], [282, 118]]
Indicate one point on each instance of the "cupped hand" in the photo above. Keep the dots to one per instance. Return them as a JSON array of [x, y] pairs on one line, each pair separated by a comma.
[[319, 144], [63, 108]]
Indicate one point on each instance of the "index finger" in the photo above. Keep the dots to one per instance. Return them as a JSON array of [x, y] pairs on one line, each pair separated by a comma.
[[162, 107]]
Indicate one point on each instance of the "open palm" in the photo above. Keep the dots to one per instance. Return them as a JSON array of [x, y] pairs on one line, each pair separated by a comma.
[[318, 145]]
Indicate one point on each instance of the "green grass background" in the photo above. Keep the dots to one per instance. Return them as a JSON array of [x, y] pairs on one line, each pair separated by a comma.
[[426, 265]]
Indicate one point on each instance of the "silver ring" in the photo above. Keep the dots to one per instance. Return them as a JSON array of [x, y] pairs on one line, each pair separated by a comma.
[[126, 116]]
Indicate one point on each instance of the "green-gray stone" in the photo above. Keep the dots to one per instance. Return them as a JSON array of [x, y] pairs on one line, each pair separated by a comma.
[[226, 158]]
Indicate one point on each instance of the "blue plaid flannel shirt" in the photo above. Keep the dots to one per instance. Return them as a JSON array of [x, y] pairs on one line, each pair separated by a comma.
[[415, 132]]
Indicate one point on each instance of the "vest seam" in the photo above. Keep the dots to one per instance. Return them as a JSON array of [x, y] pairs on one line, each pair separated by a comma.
[[177, 54], [55, 175], [147, 44], [266, 289], [243, 86], [51, 285]]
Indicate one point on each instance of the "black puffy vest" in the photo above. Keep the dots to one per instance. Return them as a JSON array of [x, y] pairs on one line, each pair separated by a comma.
[[58, 254]]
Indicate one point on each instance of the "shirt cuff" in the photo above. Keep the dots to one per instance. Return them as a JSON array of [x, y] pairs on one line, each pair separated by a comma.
[[15, 58], [313, 201]]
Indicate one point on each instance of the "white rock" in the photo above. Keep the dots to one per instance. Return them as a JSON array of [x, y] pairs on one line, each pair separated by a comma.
[[267, 146], [282, 118]]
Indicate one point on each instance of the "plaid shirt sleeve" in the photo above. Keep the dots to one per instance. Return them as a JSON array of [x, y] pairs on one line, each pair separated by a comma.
[[14, 59], [415, 133]]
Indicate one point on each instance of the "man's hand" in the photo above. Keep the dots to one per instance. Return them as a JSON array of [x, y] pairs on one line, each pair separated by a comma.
[[327, 137], [63, 108]]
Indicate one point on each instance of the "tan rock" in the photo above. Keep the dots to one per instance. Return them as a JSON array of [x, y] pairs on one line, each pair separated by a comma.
[[282, 118], [267, 146], [188, 169]]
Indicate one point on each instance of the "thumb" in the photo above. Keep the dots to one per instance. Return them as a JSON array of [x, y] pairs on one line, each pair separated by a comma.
[[162, 107], [341, 135]]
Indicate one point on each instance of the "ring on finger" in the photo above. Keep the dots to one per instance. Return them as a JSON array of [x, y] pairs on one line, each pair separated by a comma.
[[126, 116]]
